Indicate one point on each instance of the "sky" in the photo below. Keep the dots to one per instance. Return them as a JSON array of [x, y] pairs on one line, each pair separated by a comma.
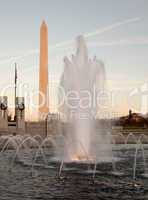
[[116, 32]]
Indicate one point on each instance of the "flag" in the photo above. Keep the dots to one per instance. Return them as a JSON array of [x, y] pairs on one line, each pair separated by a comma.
[[15, 74]]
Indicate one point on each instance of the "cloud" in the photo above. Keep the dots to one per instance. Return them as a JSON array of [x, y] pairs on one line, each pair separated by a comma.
[[121, 42], [112, 26], [69, 43]]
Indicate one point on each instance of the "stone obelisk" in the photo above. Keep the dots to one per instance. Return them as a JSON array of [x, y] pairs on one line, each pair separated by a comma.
[[43, 73]]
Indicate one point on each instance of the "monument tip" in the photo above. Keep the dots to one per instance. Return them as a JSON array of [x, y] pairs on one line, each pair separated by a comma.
[[43, 23]]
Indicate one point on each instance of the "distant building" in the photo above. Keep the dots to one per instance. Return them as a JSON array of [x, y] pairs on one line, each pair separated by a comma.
[[133, 120]]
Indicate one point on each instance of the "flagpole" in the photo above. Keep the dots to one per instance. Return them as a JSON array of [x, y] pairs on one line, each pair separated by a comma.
[[15, 89]]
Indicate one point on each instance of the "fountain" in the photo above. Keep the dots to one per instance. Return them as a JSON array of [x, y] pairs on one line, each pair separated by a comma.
[[83, 152], [82, 148], [82, 82]]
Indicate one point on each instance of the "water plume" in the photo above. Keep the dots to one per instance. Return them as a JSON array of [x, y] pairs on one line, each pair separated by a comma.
[[82, 81]]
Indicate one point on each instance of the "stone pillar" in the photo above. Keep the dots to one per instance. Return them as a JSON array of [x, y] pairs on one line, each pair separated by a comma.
[[20, 114], [53, 125], [4, 113]]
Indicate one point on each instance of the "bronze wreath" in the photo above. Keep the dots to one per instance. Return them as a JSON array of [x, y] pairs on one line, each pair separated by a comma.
[[21, 106], [3, 106]]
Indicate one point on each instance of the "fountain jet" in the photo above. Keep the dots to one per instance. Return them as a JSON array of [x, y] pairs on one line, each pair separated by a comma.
[[82, 78]]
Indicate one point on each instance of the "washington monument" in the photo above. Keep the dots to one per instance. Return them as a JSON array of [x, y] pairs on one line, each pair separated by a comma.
[[43, 72]]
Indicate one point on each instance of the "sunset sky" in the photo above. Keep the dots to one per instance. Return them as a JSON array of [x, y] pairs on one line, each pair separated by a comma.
[[116, 32]]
